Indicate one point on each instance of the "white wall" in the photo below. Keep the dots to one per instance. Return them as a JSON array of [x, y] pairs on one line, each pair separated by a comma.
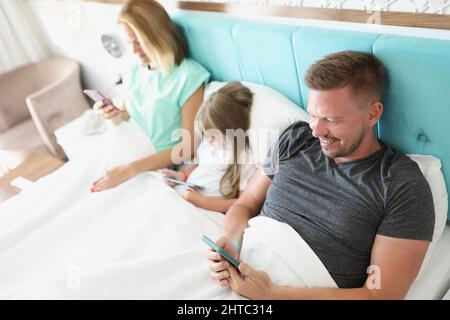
[[424, 6], [74, 29]]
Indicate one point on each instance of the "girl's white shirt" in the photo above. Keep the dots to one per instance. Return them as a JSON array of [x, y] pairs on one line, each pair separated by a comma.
[[212, 165]]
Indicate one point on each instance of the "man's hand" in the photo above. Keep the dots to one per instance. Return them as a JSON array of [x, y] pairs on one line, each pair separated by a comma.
[[253, 284], [236, 220], [112, 178], [218, 265]]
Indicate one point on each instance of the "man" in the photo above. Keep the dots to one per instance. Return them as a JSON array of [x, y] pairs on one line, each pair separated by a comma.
[[359, 204]]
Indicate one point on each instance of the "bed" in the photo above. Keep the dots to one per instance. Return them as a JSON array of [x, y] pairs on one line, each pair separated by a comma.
[[417, 99], [80, 249]]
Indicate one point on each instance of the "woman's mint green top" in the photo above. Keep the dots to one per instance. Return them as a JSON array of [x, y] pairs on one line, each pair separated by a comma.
[[155, 101]]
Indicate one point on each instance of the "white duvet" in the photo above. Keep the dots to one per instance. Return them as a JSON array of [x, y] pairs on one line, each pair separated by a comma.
[[140, 240]]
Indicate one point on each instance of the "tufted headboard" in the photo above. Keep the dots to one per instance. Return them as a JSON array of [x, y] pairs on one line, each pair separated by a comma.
[[416, 116]]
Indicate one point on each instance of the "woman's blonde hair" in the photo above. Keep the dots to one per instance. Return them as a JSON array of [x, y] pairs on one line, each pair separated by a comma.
[[229, 109], [159, 37]]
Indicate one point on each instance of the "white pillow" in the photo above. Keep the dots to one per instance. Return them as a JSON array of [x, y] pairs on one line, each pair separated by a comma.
[[271, 113], [431, 169]]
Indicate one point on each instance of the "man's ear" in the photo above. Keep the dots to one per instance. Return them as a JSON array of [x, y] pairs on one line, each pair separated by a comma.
[[375, 112]]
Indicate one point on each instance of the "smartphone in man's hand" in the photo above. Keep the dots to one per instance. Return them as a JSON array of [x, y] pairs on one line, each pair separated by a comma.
[[220, 251]]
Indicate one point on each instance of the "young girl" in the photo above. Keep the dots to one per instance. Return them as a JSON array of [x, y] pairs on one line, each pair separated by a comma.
[[224, 162]]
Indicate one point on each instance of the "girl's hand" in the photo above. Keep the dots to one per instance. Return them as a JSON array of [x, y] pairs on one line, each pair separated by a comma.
[[112, 178], [194, 197], [172, 174]]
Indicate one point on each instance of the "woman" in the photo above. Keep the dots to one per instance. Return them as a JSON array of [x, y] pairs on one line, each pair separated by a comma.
[[165, 90], [57, 226]]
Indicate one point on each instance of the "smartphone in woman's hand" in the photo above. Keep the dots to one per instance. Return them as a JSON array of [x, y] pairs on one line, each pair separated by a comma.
[[97, 96]]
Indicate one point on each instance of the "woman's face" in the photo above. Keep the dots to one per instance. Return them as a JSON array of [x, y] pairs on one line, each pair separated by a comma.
[[133, 41]]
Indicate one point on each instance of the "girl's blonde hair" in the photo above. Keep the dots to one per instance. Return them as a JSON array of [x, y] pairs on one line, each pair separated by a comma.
[[229, 108], [159, 37]]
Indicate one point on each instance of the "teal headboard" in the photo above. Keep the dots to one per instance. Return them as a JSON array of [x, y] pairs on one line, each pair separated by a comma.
[[416, 116]]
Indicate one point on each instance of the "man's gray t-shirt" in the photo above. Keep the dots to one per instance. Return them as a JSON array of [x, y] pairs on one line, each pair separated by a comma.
[[338, 209]]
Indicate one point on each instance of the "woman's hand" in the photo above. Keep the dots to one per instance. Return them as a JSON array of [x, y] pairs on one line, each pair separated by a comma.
[[113, 178], [218, 265], [172, 174], [106, 111], [193, 196]]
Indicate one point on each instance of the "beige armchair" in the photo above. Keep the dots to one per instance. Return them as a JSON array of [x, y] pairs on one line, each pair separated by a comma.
[[35, 100]]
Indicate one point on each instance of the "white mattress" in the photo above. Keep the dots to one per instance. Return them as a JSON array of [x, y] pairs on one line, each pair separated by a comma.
[[434, 282]]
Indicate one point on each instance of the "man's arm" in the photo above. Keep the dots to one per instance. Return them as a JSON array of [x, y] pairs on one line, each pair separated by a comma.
[[244, 208], [247, 205], [394, 266]]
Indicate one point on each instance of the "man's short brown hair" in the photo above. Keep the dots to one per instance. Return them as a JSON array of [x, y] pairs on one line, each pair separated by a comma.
[[363, 72]]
